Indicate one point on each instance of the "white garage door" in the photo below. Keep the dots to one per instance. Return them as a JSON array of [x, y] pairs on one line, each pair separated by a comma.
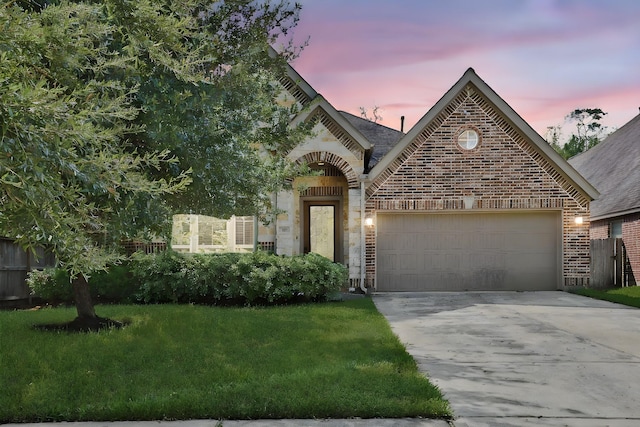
[[458, 252]]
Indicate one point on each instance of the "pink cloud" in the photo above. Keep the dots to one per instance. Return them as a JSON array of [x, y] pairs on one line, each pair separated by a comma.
[[545, 58]]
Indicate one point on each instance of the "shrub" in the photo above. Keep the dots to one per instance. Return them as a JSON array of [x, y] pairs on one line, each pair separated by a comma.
[[51, 284], [116, 284], [225, 278], [250, 278]]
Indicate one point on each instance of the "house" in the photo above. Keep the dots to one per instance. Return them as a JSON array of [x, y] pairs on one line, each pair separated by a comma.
[[470, 198], [613, 167]]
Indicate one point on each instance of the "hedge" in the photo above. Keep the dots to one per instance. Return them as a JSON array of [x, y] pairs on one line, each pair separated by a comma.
[[225, 278]]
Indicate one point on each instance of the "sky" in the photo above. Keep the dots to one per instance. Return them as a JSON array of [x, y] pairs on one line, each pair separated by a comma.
[[545, 58]]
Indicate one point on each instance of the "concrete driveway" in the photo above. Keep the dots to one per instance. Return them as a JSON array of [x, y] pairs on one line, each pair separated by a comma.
[[524, 358]]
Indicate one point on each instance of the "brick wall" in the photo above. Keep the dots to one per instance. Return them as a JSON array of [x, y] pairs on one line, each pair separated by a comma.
[[504, 172], [599, 229], [631, 239]]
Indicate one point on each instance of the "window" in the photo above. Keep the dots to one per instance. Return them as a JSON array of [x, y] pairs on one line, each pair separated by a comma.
[[615, 229], [244, 230], [468, 139]]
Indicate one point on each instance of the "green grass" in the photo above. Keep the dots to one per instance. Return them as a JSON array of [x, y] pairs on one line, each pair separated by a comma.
[[628, 296], [333, 360]]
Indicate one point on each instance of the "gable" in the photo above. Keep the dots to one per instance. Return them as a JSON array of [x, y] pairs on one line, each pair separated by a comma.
[[335, 140], [510, 154]]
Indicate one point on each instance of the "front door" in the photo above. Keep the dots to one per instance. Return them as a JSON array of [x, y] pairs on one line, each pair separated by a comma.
[[322, 229]]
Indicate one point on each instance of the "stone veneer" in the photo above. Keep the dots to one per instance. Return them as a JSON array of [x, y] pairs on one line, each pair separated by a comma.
[[332, 145]]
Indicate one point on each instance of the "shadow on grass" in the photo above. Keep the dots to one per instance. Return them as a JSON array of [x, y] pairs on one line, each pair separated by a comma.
[[83, 325]]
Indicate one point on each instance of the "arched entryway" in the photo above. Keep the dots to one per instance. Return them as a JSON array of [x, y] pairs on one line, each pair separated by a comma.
[[323, 211]]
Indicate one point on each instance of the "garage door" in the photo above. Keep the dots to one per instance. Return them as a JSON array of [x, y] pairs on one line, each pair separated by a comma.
[[458, 252]]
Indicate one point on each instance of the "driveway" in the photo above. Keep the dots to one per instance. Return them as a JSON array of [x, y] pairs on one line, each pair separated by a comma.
[[524, 358]]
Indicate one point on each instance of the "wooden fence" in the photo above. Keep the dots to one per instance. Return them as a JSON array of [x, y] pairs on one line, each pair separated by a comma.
[[14, 265], [610, 264]]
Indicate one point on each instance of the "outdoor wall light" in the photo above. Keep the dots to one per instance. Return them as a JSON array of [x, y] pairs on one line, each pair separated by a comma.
[[368, 222], [579, 220]]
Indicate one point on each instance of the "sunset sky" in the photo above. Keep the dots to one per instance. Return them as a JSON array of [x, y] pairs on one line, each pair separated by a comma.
[[545, 58]]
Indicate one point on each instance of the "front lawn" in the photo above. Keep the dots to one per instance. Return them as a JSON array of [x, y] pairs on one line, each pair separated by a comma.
[[628, 296], [332, 360]]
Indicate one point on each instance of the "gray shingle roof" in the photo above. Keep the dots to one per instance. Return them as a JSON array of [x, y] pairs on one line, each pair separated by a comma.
[[613, 167], [381, 137]]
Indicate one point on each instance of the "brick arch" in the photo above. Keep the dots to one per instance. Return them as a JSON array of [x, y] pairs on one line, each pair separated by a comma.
[[335, 160]]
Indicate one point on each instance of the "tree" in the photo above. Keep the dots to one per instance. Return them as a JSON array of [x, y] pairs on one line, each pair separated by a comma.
[[375, 111], [227, 129], [65, 172], [109, 109], [589, 132]]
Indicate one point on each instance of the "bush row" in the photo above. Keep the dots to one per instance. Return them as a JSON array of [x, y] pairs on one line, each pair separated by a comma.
[[229, 278]]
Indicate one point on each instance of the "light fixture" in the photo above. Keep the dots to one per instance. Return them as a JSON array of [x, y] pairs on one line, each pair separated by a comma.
[[579, 220], [368, 222]]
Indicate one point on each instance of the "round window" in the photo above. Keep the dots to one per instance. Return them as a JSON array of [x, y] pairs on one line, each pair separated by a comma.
[[468, 139]]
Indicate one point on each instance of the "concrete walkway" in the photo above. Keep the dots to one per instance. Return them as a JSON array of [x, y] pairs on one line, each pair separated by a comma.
[[524, 358]]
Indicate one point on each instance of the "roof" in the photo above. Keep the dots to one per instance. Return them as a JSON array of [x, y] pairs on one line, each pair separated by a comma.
[[382, 138], [538, 143], [613, 167]]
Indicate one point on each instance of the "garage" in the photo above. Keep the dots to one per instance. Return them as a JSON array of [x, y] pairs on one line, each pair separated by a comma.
[[468, 251]]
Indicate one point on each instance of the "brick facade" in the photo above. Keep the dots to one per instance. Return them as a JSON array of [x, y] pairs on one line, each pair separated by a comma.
[[503, 173], [599, 229], [631, 239]]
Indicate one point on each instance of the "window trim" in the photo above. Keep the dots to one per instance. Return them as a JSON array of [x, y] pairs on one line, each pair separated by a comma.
[[463, 131]]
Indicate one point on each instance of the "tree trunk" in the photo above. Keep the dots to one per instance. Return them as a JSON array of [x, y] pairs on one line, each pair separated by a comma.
[[84, 305]]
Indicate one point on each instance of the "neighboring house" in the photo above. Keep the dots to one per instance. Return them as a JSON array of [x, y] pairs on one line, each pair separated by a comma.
[[613, 167], [470, 198]]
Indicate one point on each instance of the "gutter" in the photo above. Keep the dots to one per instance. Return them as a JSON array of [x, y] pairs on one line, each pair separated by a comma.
[[615, 214]]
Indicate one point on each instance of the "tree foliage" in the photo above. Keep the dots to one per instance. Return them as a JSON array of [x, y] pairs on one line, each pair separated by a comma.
[[65, 169], [220, 120], [589, 132], [110, 109]]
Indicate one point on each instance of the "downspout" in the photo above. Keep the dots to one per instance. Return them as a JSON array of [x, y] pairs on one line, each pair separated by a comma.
[[362, 238]]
